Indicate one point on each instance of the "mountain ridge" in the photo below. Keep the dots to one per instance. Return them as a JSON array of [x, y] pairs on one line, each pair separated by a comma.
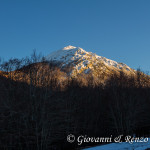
[[82, 61]]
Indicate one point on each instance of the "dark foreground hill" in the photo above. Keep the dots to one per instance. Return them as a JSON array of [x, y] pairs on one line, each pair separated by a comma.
[[40, 105]]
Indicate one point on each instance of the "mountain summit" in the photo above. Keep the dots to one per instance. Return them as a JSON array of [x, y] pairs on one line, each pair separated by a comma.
[[80, 61]]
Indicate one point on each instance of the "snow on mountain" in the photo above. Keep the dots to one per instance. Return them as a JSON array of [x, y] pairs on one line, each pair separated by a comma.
[[84, 62]]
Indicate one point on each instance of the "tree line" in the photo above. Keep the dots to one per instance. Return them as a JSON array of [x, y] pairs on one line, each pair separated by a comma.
[[40, 105]]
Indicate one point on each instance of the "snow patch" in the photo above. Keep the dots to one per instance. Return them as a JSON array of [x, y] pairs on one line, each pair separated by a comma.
[[122, 146]]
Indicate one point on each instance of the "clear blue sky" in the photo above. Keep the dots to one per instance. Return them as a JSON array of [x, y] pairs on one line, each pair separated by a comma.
[[116, 29]]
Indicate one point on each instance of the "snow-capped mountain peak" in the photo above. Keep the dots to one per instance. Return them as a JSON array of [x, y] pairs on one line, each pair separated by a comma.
[[83, 62], [69, 47], [66, 54]]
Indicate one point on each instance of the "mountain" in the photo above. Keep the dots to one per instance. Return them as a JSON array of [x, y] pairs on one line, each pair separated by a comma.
[[78, 61], [67, 62]]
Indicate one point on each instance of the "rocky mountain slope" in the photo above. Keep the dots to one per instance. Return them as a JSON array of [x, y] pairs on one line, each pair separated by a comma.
[[79, 61]]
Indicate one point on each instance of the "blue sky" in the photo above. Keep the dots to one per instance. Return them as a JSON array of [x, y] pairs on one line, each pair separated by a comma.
[[116, 29]]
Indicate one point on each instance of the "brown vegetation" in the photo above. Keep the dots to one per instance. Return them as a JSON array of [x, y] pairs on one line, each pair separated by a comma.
[[40, 105]]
